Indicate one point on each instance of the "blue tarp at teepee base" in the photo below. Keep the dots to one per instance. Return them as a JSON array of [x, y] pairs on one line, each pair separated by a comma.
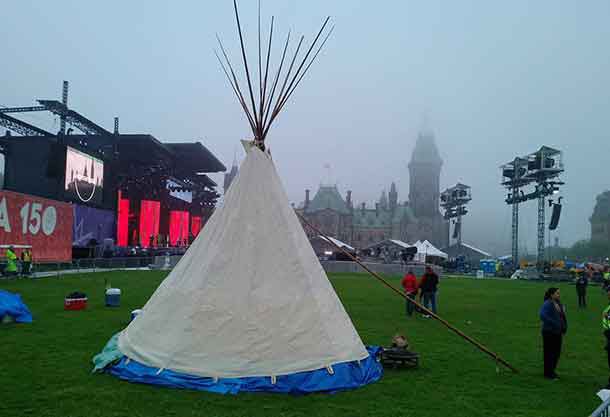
[[11, 305], [344, 376]]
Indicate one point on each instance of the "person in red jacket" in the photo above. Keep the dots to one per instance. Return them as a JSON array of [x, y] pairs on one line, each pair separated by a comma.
[[409, 283]]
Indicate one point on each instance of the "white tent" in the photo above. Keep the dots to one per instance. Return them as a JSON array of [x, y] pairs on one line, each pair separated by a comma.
[[389, 242], [429, 249], [401, 243], [337, 242], [249, 298], [482, 252], [433, 250]]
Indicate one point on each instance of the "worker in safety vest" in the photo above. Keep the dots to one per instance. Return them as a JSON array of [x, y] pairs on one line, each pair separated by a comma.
[[606, 328], [26, 261], [11, 261], [606, 276]]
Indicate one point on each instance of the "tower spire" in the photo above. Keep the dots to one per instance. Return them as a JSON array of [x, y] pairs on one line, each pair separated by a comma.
[[424, 176], [393, 195]]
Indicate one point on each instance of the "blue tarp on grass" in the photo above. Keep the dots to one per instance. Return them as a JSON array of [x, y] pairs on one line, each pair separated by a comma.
[[344, 376], [11, 305]]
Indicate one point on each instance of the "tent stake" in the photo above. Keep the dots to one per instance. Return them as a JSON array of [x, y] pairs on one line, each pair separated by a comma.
[[400, 293]]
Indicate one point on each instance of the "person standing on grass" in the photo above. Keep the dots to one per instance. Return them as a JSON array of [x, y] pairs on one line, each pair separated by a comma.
[[428, 286], [554, 327], [606, 278], [581, 289], [606, 328], [11, 261], [26, 261], [409, 283]]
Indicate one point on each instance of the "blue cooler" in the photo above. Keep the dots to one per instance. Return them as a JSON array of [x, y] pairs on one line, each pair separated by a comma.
[[113, 297]]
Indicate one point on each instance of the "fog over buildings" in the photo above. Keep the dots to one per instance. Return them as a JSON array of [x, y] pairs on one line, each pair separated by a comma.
[[491, 80]]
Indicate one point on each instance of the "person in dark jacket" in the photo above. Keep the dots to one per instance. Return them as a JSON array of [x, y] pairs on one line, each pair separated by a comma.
[[428, 286], [554, 327], [581, 289]]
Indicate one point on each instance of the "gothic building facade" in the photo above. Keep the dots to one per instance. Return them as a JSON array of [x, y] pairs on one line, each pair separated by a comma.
[[600, 220], [360, 226]]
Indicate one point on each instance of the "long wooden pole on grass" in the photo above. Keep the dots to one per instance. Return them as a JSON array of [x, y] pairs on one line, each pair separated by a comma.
[[400, 293]]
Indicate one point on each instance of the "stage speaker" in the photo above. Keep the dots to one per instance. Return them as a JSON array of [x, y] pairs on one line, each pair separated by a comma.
[[555, 217]]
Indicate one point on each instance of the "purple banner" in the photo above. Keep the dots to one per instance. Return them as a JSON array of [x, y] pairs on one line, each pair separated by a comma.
[[92, 224]]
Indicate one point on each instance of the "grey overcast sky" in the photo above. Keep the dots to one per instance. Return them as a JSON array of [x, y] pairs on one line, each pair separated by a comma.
[[496, 79]]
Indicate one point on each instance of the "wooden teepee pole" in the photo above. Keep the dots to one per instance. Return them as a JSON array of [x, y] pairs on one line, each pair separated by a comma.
[[400, 293], [262, 115]]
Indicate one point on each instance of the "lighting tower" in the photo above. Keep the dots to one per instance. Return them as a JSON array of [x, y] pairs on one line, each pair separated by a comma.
[[513, 178], [454, 200], [544, 168], [541, 169]]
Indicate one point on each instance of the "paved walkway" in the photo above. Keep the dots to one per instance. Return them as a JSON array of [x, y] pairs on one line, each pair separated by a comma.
[[48, 274]]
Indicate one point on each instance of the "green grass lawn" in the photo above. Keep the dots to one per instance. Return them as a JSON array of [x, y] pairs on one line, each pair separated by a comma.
[[45, 366]]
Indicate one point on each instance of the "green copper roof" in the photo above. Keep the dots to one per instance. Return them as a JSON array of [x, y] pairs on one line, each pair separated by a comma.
[[369, 218], [384, 218], [328, 197], [401, 212]]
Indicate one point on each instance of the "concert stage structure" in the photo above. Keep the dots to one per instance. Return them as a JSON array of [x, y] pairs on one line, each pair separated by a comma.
[[131, 188]]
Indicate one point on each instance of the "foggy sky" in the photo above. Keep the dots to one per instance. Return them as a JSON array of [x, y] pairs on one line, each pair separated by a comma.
[[495, 79]]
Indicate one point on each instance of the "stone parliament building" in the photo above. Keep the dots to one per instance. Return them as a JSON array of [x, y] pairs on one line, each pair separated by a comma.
[[600, 220], [419, 218]]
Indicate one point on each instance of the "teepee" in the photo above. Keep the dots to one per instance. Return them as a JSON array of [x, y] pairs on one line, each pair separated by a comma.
[[249, 307]]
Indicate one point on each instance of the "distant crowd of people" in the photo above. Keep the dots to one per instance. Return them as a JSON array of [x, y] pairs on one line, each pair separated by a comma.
[[426, 289]]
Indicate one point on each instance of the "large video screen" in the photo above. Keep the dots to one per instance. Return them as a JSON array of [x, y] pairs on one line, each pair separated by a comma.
[[84, 177]]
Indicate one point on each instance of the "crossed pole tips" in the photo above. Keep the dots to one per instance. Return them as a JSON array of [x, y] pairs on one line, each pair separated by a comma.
[[263, 104], [454, 329]]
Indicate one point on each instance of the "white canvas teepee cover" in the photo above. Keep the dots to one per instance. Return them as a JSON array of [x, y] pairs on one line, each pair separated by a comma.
[[249, 298]]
